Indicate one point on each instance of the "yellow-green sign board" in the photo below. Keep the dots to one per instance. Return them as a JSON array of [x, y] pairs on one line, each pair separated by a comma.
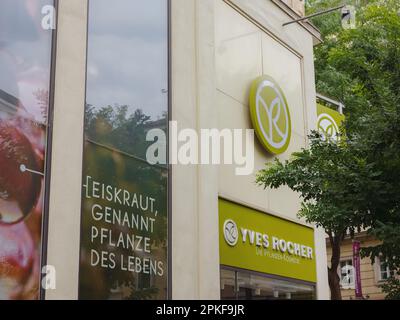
[[253, 240], [270, 115], [329, 122]]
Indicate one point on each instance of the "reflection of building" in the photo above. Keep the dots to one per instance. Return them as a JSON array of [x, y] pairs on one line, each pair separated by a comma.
[[157, 124], [8, 105], [372, 275]]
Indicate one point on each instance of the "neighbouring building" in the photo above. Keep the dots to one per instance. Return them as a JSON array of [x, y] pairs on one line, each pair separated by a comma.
[[373, 275]]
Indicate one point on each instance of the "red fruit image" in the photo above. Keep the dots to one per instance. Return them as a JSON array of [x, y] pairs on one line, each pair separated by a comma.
[[16, 259], [19, 189]]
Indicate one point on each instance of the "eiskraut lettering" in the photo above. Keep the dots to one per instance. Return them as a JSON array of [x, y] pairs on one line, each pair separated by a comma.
[[108, 260], [119, 196], [123, 231]]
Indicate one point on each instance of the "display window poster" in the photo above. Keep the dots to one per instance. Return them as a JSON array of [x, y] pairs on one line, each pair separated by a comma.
[[26, 32], [124, 218]]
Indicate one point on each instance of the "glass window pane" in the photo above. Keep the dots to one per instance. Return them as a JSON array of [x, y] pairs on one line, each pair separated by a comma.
[[257, 287], [347, 273], [26, 28], [125, 199], [384, 270], [228, 285]]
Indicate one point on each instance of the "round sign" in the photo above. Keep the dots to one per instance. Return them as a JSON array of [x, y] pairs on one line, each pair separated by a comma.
[[231, 233], [328, 127], [270, 114]]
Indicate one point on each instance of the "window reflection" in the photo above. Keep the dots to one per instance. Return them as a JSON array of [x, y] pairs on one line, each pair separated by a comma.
[[228, 284], [127, 72], [25, 53], [127, 95]]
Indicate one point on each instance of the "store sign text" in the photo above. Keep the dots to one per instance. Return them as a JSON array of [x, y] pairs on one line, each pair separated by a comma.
[[263, 240]]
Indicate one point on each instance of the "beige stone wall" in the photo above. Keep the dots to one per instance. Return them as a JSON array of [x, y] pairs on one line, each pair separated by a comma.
[[296, 5], [66, 162], [195, 250], [250, 41], [369, 277]]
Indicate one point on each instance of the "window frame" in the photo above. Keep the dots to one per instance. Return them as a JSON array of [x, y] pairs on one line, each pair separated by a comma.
[[168, 167], [351, 286], [378, 271]]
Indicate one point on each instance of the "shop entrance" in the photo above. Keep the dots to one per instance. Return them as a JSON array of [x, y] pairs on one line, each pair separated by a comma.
[[239, 284]]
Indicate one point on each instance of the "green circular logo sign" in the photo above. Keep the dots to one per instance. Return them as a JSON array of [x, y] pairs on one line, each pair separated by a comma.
[[270, 114], [328, 127], [231, 233]]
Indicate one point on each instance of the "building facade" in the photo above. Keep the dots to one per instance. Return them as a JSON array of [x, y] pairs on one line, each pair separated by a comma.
[[111, 224], [373, 275]]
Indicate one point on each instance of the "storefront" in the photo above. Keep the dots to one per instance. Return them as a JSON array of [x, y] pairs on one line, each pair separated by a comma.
[[263, 256], [82, 85]]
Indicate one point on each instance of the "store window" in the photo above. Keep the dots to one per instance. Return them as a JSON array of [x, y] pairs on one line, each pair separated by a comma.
[[124, 238], [228, 284], [246, 285], [26, 31], [347, 274]]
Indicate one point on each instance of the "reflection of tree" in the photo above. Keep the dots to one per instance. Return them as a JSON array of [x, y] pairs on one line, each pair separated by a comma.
[[144, 294], [114, 126], [114, 154], [42, 97]]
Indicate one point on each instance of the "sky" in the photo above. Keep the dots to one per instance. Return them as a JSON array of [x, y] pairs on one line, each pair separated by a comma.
[[25, 50], [128, 55]]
